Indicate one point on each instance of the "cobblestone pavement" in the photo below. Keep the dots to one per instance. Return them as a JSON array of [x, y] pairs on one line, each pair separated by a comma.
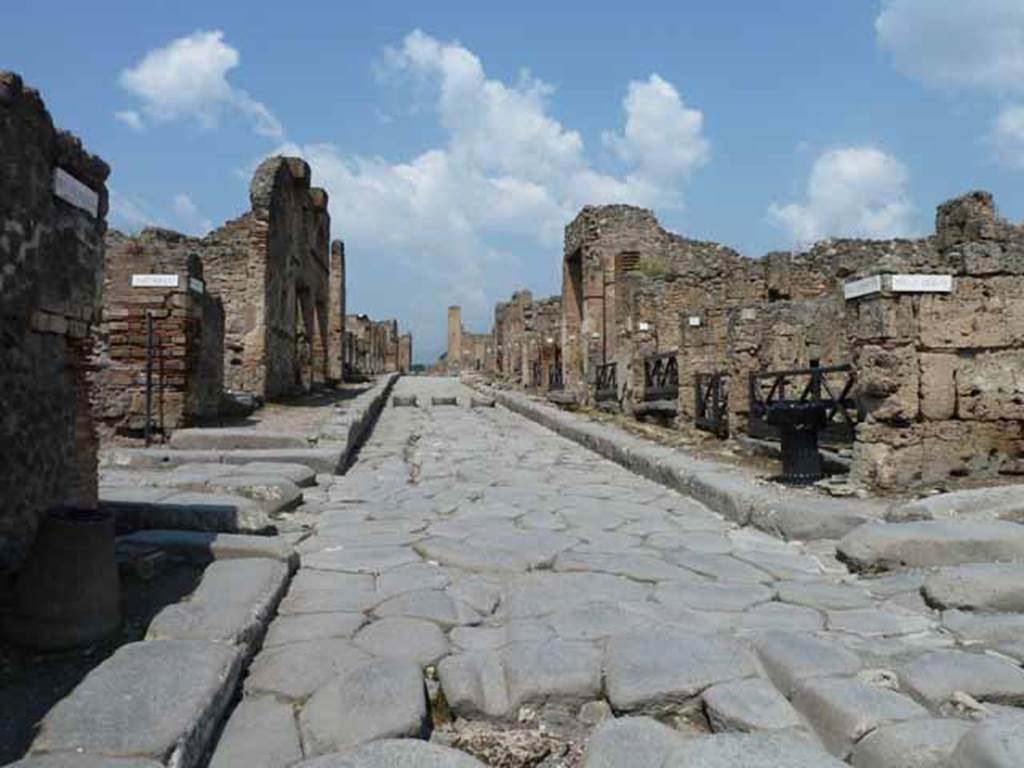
[[559, 610]]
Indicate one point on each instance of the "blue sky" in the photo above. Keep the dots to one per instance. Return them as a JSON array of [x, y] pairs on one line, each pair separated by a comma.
[[456, 139]]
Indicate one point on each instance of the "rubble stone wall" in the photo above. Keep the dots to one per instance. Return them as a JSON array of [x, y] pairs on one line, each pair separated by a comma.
[[405, 353], [336, 324], [51, 281], [188, 334]]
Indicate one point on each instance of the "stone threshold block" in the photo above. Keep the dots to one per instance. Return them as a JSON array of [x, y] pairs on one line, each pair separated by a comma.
[[325, 458], [158, 699], [201, 547], [233, 438]]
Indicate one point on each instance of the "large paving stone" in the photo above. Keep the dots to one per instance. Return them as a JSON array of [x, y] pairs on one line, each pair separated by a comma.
[[378, 700], [158, 699], [913, 744], [789, 658], [360, 559], [995, 587], [781, 616], [842, 710], [721, 567], [397, 637], [936, 676], [261, 733], [823, 595], [544, 593], [295, 670], [312, 626], [994, 743], [753, 704], [474, 684], [631, 742], [872, 622], [751, 750], [987, 628], [430, 604], [83, 761], [233, 438], [656, 673], [395, 753], [975, 503], [713, 596], [302, 476], [931, 542], [272, 494], [553, 670]]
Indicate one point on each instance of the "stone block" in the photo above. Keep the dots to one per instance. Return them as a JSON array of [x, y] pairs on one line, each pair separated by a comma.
[[789, 658], [936, 676], [912, 744], [631, 741], [992, 587], [474, 684], [751, 750], [749, 705], [994, 743], [202, 547], [990, 386], [938, 385], [888, 382], [295, 670], [261, 733], [233, 438], [158, 699], [395, 753]]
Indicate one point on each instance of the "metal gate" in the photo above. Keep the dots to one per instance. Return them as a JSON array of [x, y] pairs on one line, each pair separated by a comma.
[[829, 385], [661, 377], [712, 402]]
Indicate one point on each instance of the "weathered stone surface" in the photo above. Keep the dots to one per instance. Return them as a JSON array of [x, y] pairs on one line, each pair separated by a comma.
[[474, 684], [203, 547], [631, 741], [749, 705], [233, 438], [995, 743], [399, 753], [992, 587], [931, 542], [312, 626], [912, 744], [554, 670], [789, 658], [936, 676], [83, 761], [301, 475], [654, 673], [713, 597], [260, 733], [273, 494], [431, 604], [750, 750], [157, 699], [975, 503], [401, 638], [876, 622], [295, 670], [823, 595], [377, 700], [842, 710]]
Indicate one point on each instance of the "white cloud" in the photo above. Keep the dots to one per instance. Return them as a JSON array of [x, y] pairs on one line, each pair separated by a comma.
[[956, 44], [1007, 136], [851, 192], [187, 80], [131, 214], [189, 218], [131, 118], [460, 219]]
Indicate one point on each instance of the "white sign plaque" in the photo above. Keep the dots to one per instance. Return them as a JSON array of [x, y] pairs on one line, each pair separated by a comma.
[[71, 190], [748, 313], [694, 321], [864, 287], [922, 283], [643, 326], [154, 281], [196, 285]]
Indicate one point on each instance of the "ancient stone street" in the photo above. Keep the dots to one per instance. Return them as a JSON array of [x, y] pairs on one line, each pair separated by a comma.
[[537, 589]]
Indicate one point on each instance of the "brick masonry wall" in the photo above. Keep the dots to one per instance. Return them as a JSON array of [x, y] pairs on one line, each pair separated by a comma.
[[51, 279], [188, 335], [336, 324]]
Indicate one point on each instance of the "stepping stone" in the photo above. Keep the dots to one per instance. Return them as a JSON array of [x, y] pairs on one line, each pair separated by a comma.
[[378, 700], [973, 504], [994, 743], [273, 494], [401, 753], [295, 670], [652, 673], [443, 401], [994, 587], [842, 711], [301, 475], [913, 744], [749, 705], [260, 732], [631, 741], [751, 750], [554, 670], [152, 699], [789, 658], [929, 543], [404, 401], [397, 637], [936, 676]]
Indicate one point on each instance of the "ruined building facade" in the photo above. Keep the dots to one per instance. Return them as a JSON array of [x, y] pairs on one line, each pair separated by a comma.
[[53, 206], [467, 351]]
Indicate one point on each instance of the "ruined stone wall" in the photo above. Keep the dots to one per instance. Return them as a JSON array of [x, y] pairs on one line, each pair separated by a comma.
[[53, 206], [271, 269], [389, 344], [941, 375], [336, 324], [405, 353], [454, 357], [477, 351], [188, 334]]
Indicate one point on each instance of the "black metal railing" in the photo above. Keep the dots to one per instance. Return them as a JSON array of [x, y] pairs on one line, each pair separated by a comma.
[[661, 377], [828, 385], [607, 383], [712, 403]]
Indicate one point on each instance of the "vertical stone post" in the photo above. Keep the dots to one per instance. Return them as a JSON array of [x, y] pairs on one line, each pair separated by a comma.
[[454, 339], [336, 357]]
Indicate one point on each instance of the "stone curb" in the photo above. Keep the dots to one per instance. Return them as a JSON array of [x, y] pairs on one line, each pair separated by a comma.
[[351, 426], [727, 491]]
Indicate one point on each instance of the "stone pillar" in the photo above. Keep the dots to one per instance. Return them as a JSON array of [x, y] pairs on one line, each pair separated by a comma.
[[336, 369], [454, 339]]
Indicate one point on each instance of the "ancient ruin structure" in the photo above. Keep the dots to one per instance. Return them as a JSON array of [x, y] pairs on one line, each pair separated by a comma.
[[271, 269], [467, 351], [405, 353], [336, 325], [527, 337], [157, 316], [373, 347], [53, 204]]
